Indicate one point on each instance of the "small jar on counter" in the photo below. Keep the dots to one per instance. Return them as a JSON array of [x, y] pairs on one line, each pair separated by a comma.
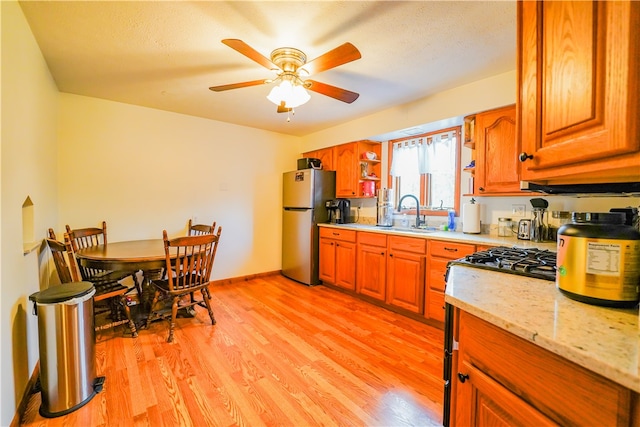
[[504, 227]]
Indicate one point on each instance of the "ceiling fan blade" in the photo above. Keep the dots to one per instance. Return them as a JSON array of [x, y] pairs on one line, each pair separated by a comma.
[[239, 85], [250, 53], [332, 91], [283, 109], [338, 56]]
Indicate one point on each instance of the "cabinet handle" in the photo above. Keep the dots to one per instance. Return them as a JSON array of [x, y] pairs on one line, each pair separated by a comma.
[[450, 249], [382, 253], [335, 234], [463, 377], [391, 255], [481, 189], [524, 157]]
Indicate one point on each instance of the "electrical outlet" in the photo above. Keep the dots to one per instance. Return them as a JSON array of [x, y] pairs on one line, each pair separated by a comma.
[[518, 210]]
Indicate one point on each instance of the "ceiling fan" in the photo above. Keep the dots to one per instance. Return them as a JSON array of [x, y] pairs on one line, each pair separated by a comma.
[[288, 63]]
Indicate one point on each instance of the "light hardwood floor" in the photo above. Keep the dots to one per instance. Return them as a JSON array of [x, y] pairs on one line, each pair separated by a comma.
[[280, 354]]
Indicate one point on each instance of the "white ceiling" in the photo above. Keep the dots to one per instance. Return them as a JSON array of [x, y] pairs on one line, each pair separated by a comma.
[[166, 54]]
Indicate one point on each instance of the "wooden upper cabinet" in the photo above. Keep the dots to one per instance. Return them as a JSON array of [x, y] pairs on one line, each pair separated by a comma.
[[325, 155], [579, 103], [353, 169], [346, 163], [497, 168]]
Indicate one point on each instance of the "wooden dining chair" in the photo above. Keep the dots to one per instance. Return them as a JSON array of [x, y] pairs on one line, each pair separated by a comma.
[[199, 229], [81, 238], [58, 252], [111, 292], [190, 259]]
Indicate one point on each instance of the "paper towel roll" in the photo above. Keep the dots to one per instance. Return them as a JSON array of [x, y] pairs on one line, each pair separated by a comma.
[[471, 218]]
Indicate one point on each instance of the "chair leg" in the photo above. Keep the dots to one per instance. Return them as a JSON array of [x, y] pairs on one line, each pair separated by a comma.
[[127, 312], [206, 296], [174, 314], [156, 295]]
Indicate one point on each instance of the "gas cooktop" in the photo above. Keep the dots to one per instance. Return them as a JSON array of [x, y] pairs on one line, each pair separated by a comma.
[[529, 262]]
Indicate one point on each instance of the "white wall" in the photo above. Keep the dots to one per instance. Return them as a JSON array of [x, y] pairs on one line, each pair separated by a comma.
[[28, 154], [145, 170], [478, 96]]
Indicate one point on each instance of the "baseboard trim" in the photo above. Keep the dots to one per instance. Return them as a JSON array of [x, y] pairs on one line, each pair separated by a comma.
[[28, 391], [244, 278]]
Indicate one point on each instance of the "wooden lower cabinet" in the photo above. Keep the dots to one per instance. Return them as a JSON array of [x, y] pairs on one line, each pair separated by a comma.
[[501, 379], [372, 265], [406, 266], [492, 404], [337, 257], [440, 253]]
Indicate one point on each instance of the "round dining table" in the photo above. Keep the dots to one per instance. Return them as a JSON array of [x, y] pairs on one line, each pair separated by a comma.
[[129, 255], [132, 255]]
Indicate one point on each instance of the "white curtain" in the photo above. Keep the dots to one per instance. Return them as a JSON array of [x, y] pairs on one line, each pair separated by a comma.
[[427, 155]]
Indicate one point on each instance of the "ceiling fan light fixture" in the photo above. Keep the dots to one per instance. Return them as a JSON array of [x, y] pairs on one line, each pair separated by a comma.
[[293, 95]]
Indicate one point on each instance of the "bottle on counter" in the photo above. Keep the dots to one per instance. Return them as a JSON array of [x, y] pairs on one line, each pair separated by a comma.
[[451, 222]]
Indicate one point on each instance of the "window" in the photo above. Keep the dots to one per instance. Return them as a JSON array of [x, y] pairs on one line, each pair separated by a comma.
[[427, 166]]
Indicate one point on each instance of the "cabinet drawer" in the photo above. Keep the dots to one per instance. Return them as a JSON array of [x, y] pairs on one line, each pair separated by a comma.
[[338, 234], [372, 239], [563, 391], [450, 250], [408, 244]]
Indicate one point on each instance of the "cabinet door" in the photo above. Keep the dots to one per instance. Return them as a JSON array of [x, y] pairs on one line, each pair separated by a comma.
[[579, 71], [405, 280], [324, 154], [346, 164], [327, 260], [372, 271], [497, 165], [561, 390], [481, 401], [346, 265], [434, 296]]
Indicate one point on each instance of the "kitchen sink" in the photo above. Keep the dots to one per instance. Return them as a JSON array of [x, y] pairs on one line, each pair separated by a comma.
[[414, 229]]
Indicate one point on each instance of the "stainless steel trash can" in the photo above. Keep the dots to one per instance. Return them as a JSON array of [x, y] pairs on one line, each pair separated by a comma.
[[67, 347]]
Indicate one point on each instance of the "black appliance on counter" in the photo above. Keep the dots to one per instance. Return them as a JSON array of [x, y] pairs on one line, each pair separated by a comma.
[[529, 262], [339, 211], [309, 163]]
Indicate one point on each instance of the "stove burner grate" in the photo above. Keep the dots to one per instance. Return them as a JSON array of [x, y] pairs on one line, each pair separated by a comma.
[[531, 262]]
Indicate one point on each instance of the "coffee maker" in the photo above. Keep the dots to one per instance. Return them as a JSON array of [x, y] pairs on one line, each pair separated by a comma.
[[339, 211]]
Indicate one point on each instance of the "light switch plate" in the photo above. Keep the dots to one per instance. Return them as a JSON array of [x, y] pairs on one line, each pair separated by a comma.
[[518, 210]]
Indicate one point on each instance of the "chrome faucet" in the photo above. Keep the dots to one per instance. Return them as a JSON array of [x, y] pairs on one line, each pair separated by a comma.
[[418, 221]]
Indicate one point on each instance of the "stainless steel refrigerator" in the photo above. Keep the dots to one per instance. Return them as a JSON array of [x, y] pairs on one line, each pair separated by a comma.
[[304, 195]]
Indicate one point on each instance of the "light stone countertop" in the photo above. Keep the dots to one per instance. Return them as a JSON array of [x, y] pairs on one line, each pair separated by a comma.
[[453, 236], [603, 340]]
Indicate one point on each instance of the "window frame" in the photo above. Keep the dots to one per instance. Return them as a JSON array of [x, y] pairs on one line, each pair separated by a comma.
[[424, 178]]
